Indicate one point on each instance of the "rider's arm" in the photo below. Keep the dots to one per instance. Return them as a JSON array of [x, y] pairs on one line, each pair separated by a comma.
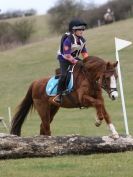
[[70, 58], [67, 52]]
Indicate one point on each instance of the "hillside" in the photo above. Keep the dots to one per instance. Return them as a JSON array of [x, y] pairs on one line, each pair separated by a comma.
[[40, 22], [20, 66]]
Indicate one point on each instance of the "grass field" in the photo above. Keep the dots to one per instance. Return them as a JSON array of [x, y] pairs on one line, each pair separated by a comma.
[[103, 165], [20, 66]]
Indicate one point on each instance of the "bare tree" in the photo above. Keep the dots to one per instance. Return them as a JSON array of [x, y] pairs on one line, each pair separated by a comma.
[[62, 13]]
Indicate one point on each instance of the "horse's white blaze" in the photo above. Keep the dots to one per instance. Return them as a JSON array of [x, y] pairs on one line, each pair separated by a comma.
[[112, 82], [113, 85]]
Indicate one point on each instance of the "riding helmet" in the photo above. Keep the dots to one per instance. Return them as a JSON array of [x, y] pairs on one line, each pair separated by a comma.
[[77, 24]]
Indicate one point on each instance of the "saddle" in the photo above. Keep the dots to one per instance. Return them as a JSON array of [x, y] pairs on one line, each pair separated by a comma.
[[51, 87]]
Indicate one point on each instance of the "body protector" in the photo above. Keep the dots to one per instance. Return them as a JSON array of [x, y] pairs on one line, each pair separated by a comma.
[[76, 46]]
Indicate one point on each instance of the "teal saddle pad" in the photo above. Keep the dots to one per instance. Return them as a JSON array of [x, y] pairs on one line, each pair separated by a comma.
[[51, 87]]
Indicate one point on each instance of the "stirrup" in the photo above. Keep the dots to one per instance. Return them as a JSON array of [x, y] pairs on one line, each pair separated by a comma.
[[58, 99]]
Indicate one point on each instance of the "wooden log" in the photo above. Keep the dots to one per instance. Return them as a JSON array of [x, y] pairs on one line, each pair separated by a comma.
[[12, 146]]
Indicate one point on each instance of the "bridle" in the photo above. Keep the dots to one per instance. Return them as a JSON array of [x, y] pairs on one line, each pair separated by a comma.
[[105, 85]]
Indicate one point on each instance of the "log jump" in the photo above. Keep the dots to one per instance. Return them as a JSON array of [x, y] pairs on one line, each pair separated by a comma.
[[12, 146]]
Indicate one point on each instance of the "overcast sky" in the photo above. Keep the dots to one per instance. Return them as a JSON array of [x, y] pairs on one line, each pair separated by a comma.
[[40, 5]]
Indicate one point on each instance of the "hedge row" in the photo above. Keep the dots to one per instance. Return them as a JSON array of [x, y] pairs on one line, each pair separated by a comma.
[[18, 32]]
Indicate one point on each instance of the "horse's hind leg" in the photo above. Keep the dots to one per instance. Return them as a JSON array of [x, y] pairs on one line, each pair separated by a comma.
[[43, 110], [53, 111]]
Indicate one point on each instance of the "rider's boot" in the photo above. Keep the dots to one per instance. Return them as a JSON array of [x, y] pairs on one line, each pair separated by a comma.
[[60, 88]]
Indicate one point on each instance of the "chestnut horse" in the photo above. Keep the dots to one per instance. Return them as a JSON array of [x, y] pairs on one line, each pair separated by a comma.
[[88, 83]]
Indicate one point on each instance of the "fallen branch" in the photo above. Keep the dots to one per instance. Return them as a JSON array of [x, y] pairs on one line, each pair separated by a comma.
[[47, 146]]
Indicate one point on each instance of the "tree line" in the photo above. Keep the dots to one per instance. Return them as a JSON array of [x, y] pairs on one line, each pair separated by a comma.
[[65, 10], [17, 13], [19, 32]]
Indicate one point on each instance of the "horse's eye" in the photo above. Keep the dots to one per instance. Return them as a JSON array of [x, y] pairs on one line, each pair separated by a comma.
[[107, 77]]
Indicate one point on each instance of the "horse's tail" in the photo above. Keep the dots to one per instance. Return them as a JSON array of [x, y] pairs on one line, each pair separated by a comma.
[[23, 110]]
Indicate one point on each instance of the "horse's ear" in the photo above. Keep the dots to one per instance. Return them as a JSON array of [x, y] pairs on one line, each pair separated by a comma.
[[108, 65], [115, 64]]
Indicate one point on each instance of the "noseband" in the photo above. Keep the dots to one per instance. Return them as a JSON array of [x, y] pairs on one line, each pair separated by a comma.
[[108, 90]]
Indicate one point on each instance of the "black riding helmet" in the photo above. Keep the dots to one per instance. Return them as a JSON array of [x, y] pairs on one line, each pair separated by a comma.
[[77, 24]]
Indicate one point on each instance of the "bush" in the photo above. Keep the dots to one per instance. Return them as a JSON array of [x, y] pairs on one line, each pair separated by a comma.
[[16, 33], [23, 30], [6, 33]]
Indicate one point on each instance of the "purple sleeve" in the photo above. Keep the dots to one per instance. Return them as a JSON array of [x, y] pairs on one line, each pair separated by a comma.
[[67, 46]]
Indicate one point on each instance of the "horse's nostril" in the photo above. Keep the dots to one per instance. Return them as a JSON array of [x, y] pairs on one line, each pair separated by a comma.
[[113, 97]]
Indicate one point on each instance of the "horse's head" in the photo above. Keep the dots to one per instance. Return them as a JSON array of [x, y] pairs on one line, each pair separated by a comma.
[[103, 72], [109, 80]]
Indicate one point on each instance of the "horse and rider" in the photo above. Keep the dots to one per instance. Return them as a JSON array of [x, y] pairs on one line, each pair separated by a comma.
[[90, 76], [109, 16]]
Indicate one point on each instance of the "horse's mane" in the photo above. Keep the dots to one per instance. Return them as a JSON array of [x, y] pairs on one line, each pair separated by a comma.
[[95, 64]]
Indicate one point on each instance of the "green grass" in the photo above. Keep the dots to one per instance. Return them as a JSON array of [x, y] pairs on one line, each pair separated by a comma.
[[20, 66], [100, 165]]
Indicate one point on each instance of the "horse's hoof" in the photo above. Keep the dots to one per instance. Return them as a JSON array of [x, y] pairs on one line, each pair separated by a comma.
[[98, 123], [115, 136]]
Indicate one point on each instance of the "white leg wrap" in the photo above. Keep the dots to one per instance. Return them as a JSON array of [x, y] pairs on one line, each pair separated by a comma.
[[112, 129]]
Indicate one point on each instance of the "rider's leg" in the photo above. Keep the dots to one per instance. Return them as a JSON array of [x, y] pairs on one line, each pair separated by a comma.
[[60, 88], [61, 84]]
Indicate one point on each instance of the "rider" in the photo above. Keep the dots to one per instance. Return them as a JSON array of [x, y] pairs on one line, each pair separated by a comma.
[[109, 16], [71, 46]]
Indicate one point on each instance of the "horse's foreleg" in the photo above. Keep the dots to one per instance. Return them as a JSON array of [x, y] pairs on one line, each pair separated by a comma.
[[101, 113], [109, 123], [97, 103]]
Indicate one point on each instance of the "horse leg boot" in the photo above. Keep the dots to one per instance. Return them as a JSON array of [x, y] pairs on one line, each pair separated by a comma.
[[111, 127]]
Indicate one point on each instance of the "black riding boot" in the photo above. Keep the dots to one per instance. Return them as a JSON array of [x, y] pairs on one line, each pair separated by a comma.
[[60, 89]]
